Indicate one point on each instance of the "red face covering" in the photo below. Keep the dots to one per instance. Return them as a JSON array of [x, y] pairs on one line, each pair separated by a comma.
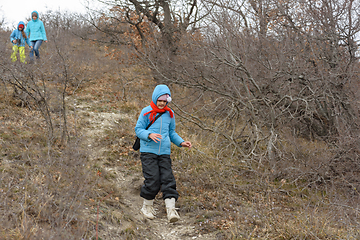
[[156, 110]]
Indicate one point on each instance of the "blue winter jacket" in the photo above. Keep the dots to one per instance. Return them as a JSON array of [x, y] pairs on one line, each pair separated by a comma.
[[164, 125], [35, 29], [16, 34]]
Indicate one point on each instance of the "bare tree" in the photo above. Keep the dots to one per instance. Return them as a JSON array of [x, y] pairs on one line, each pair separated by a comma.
[[265, 72]]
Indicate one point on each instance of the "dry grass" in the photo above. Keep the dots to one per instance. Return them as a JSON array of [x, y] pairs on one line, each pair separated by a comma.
[[55, 191], [222, 195]]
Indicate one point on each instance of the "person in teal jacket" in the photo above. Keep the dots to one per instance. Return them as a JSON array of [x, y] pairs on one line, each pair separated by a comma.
[[36, 30], [155, 149], [18, 38]]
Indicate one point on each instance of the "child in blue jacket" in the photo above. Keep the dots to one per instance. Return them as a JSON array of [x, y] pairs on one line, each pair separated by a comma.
[[36, 30], [18, 38], [155, 153]]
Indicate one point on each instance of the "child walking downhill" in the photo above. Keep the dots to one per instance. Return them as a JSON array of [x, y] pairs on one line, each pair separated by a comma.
[[18, 38], [155, 153], [36, 30]]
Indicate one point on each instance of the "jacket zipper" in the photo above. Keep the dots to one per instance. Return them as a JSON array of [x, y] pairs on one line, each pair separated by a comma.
[[160, 134]]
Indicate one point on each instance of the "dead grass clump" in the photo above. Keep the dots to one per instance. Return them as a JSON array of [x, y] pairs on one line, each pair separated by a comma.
[[45, 196], [280, 199]]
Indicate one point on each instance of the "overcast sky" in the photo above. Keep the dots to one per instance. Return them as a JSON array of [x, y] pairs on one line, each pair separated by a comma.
[[13, 11]]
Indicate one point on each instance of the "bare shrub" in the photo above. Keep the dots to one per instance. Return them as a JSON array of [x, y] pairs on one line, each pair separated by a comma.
[[265, 90], [45, 179], [267, 84], [44, 195], [262, 84]]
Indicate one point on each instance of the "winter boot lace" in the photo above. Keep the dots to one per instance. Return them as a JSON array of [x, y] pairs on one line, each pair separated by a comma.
[[172, 214], [148, 209]]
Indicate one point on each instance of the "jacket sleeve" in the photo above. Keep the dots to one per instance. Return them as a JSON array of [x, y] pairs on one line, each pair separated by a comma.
[[12, 36], [174, 137], [27, 41], [141, 124]]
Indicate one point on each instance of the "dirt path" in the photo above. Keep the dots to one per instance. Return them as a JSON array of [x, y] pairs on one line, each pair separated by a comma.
[[129, 182]]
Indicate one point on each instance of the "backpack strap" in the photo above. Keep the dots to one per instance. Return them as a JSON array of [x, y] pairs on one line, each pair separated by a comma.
[[154, 120]]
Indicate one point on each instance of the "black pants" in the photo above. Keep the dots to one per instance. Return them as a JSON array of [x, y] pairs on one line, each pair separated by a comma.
[[158, 175]]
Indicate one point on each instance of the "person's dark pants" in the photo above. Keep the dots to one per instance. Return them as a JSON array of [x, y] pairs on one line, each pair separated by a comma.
[[158, 176]]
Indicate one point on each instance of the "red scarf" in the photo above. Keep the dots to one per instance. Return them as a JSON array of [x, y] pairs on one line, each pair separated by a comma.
[[156, 110]]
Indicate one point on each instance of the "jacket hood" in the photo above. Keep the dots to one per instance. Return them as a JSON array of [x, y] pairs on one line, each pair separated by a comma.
[[36, 14], [159, 91], [21, 22]]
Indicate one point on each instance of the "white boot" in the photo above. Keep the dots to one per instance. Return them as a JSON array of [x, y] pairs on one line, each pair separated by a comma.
[[172, 214], [148, 209]]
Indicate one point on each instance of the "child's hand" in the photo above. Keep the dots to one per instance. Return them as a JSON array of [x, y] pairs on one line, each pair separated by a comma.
[[155, 137], [186, 144]]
